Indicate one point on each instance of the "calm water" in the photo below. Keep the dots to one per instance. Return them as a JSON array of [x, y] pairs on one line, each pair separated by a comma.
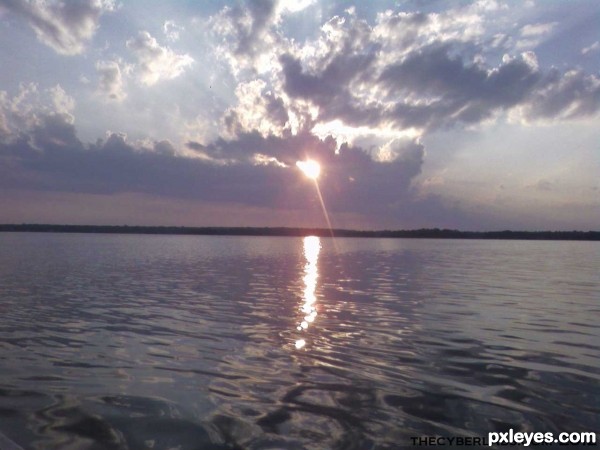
[[177, 342]]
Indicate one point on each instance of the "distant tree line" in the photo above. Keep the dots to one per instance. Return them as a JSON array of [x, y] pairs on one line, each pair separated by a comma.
[[423, 233]]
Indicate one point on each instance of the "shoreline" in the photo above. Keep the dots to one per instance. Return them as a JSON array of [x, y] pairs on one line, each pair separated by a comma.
[[424, 233]]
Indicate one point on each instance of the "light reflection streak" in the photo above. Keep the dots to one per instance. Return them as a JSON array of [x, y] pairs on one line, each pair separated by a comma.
[[312, 247], [323, 207]]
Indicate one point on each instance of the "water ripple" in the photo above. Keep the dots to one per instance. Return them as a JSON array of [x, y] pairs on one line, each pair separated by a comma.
[[134, 342]]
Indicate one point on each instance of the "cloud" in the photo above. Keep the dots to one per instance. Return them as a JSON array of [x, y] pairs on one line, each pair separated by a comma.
[[26, 109], [542, 185], [411, 71], [65, 26], [51, 158], [383, 187], [110, 80], [258, 109], [251, 170], [563, 96], [172, 30], [294, 6], [533, 34], [427, 89], [17, 111], [248, 26], [537, 29], [373, 91], [62, 102], [591, 48], [249, 34], [403, 74], [447, 90], [156, 63], [330, 86]]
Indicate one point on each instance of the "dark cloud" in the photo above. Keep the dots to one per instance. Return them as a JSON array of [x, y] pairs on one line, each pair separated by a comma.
[[287, 150], [113, 165], [351, 180], [276, 110], [50, 157], [457, 92], [262, 12], [361, 184], [448, 90], [328, 85], [66, 26], [428, 86], [568, 96]]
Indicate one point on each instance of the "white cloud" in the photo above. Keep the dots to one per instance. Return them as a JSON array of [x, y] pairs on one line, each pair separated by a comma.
[[366, 137], [531, 60], [294, 6], [537, 29], [533, 34], [30, 106], [20, 110], [172, 30], [154, 62], [401, 149], [62, 102], [110, 80], [66, 26], [258, 109], [264, 160], [591, 48]]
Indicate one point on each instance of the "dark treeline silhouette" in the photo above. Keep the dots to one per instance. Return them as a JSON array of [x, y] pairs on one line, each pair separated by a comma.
[[322, 232]]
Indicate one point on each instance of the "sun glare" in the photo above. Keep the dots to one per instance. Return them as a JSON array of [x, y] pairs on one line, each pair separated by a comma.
[[310, 168]]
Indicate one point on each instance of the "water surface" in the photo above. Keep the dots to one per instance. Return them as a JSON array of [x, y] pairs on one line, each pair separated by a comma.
[[199, 342]]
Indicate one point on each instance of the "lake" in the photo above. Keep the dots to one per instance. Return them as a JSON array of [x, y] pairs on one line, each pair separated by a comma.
[[206, 342]]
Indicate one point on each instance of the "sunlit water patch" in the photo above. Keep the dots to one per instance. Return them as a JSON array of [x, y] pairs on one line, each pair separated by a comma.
[[160, 342]]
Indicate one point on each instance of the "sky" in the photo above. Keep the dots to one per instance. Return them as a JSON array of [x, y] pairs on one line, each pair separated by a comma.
[[479, 115]]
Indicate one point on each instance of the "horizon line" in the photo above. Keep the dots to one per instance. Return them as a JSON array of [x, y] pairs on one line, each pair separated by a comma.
[[443, 233]]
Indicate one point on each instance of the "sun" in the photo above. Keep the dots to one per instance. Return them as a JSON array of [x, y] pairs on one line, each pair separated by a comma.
[[310, 168]]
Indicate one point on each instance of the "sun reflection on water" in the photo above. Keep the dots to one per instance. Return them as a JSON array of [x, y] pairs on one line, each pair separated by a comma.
[[312, 246]]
